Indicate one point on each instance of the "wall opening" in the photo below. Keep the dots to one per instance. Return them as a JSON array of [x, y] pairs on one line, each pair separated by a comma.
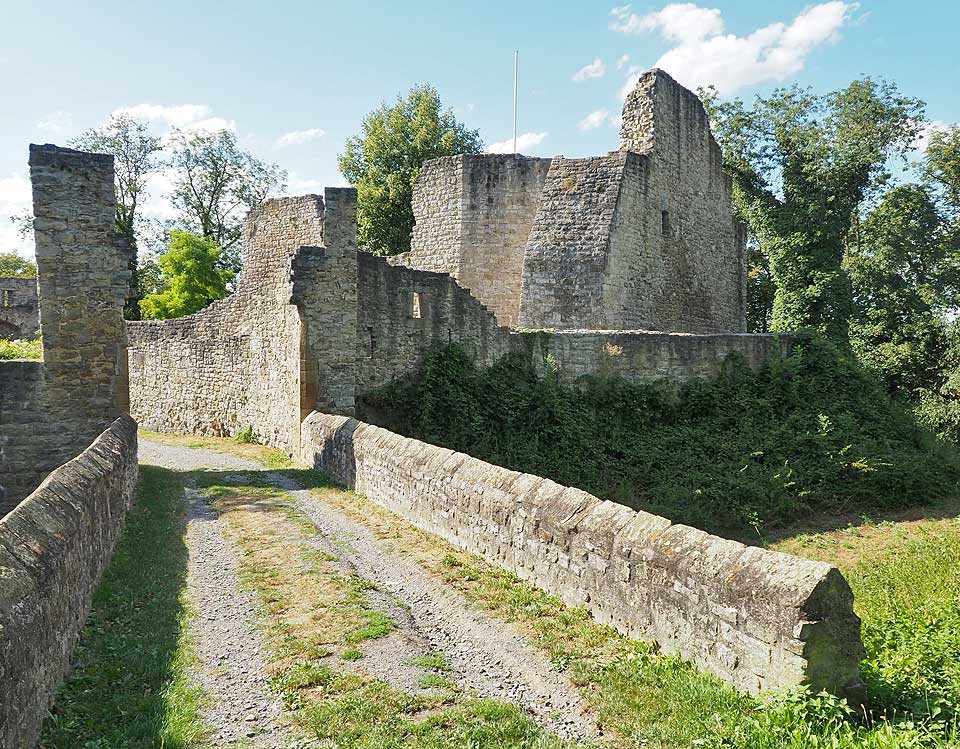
[[415, 310], [665, 223], [6, 298]]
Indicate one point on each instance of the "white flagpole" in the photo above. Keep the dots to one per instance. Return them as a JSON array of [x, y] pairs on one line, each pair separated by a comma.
[[516, 63]]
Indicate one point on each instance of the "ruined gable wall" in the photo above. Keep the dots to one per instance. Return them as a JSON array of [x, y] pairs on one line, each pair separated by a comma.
[[759, 619], [52, 410], [676, 256], [19, 308], [565, 260], [237, 363], [474, 214]]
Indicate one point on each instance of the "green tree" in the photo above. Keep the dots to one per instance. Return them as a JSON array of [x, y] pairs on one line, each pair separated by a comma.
[[191, 278], [905, 278], [802, 166], [217, 183], [136, 157], [761, 288], [385, 160], [14, 266]]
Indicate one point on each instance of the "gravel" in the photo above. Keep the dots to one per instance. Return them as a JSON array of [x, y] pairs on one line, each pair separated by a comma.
[[487, 656]]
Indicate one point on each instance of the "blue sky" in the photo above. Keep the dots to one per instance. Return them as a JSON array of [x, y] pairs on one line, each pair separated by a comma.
[[294, 79]]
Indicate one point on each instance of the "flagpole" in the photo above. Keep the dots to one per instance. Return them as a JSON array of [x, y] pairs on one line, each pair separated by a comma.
[[516, 64]]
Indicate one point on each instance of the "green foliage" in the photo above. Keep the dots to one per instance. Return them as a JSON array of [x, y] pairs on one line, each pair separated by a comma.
[[217, 183], [21, 349], [191, 278], [761, 289], [130, 687], [812, 433], [942, 166], [905, 278], [136, 157], [247, 436], [14, 266], [802, 166], [384, 162]]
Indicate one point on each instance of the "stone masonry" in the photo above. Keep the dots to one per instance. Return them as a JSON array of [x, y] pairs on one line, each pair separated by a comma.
[[19, 308], [52, 410], [759, 619], [643, 238]]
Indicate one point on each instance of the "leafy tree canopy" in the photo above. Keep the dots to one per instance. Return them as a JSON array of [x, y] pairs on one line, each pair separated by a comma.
[[384, 163], [14, 266], [802, 165], [217, 183], [191, 278]]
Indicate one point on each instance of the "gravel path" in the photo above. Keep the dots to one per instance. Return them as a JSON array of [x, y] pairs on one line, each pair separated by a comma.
[[487, 655]]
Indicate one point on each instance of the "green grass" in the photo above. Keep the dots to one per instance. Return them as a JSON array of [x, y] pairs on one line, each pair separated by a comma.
[[21, 349], [130, 687]]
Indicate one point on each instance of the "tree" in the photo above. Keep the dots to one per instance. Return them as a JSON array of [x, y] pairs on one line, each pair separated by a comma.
[[14, 266], [191, 278], [385, 160], [905, 278], [136, 156], [216, 185], [761, 288], [802, 166]]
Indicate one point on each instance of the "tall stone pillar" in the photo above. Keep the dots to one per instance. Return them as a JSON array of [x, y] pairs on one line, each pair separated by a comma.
[[84, 279]]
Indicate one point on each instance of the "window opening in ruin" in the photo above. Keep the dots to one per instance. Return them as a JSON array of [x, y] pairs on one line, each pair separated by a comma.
[[7, 301], [415, 312], [371, 343], [665, 223]]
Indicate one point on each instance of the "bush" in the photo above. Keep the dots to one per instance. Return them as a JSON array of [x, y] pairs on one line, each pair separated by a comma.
[[812, 433], [21, 349]]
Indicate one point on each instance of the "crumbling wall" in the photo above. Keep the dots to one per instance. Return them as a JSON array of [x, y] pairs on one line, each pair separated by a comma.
[[237, 363], [54, 546], [676, 256], [405, 312], [758, 619], [566, 256], [51, 410], [19, 308], [474, 214]]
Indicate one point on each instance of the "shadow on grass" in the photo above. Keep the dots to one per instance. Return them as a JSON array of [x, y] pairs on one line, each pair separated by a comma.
[[128, 686]]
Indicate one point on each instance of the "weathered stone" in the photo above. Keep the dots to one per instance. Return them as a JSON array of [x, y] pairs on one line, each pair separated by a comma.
[[759, 619]]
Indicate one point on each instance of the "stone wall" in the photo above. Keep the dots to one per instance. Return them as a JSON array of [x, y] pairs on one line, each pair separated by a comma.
[[403, 313], [758, 619], [676, 255], [473, 216], [54, 547], [237, 363], [567, 253], [51, 410], [644, 356], [19, 308]]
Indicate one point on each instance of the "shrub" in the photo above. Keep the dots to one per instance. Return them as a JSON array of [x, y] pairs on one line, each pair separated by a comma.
[[811, 433]]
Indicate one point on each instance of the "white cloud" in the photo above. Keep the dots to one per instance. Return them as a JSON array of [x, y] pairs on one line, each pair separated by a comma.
[[624, 59], [15, 197], [704, 55], [188, 117], [595, 69], [679, 22], [55, 122], [299, 136], [304, 185], [926, 132], [524, 141], [593, 120]]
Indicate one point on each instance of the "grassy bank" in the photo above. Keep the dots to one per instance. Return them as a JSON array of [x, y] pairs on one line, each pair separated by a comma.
[[129, 686], [21, 349], [744, 451]]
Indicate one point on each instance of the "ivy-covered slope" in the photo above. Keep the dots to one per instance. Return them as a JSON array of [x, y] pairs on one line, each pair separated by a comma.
[[813, 433]]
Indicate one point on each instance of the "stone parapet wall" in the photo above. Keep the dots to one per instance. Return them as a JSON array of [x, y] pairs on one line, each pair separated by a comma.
[[53, 549], [758, 619], [19, 308]]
